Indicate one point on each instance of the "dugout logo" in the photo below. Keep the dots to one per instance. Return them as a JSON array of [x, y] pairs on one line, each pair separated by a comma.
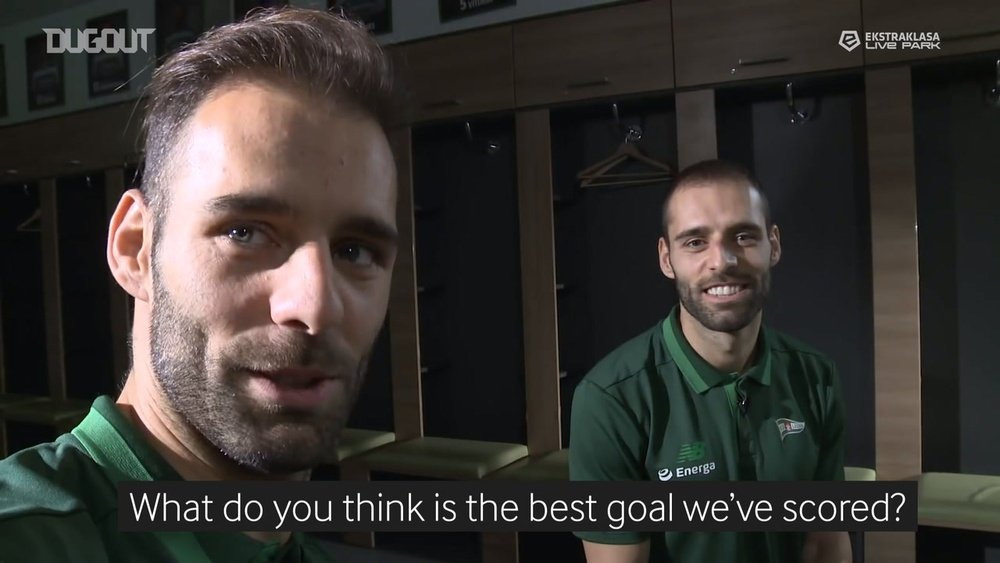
[[91, 40]]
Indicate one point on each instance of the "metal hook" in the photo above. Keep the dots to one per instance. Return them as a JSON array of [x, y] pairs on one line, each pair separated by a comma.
[[492, 146], [798, 116], [993, 95], [633, 133]]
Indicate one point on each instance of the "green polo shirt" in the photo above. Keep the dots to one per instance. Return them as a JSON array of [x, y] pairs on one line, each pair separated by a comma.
[[58, 504], [655, 410]]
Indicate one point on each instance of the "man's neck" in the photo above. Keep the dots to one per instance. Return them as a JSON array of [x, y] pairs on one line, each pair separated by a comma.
[[183, 447], [728, 352]]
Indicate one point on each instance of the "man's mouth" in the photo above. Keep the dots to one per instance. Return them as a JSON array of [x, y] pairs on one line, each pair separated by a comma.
[[296, 377], [727, 290], [304, 388]]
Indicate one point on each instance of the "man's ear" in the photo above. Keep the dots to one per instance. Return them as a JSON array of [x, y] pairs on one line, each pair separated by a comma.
[[130, 244], [775, 238], [665, 266]]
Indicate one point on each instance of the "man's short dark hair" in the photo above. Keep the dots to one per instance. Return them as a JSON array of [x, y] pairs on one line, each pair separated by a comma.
[[713, 172], [322, 52]]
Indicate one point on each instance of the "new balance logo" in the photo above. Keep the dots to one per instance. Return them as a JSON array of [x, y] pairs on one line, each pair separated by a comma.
[[691, 452]]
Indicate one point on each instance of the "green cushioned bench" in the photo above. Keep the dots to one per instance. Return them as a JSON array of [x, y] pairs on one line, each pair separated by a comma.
[[357, 441], [961, 501], [859, 474], [553, 466], [62, 414], [444, 458]]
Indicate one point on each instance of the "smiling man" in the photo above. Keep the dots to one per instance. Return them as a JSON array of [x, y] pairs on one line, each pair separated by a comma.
[[710, 393], [259, 252]]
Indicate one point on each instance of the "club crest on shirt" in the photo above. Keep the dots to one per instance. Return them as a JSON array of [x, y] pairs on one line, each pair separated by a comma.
[[788, 426]]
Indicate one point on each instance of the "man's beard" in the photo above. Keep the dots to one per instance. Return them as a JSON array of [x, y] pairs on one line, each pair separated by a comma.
[[727, 317], [209, 390]]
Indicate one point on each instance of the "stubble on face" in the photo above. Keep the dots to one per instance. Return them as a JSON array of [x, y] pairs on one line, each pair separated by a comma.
[[729, 317], [207, 388]]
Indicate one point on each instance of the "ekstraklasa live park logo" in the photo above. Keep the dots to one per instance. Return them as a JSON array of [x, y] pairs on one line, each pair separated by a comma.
[[891, 40]]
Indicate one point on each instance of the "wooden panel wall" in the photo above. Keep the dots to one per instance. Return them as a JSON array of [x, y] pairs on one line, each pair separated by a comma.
[[538, 281], [404, 330], [896, 291], [696, 137], [68, 144]]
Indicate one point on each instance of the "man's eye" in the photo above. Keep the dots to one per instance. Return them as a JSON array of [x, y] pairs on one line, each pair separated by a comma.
[[244, 234], [694, 243], [745, 238], [356, 253]]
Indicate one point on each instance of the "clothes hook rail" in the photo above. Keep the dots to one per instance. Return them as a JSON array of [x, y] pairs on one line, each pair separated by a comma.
[[798, 116]]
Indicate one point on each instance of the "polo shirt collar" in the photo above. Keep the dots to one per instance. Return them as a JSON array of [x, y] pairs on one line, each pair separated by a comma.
[[150, 459], [701, 375], [217, 545]]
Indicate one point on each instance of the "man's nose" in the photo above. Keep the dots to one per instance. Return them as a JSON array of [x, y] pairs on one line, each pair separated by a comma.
[[305, 295], [722, 257]]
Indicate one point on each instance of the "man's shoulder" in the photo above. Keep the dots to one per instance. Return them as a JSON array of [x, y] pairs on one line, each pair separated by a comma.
[[631, 363], [793, 349], [47, 479], [49, 498]]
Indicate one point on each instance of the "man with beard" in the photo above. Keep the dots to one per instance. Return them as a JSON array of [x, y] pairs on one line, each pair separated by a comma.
[[259, 252], [710, 393]]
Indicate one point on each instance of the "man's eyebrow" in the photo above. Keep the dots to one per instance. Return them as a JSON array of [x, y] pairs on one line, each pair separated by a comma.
[[692, 232], [245, 203], [370, 227], [702, 231], [746, 226]]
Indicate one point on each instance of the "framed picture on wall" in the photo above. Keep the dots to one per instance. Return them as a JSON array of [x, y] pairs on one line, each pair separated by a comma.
[[108, 72], [3, 84], [375, 14], [456, 9], [243, 7], [178, 22], [46, 85]]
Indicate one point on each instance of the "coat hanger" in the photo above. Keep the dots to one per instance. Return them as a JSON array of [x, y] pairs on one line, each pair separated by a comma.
[[599, 174]]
